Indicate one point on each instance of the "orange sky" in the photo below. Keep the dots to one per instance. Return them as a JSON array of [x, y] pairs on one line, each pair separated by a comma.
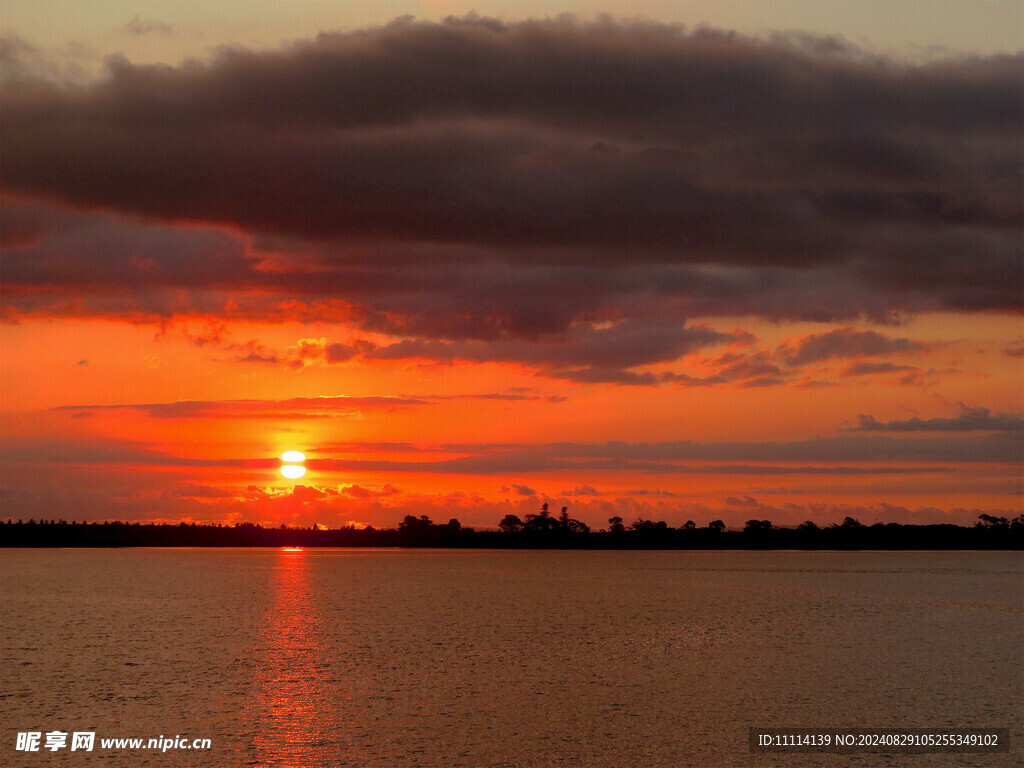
[[464, 279]]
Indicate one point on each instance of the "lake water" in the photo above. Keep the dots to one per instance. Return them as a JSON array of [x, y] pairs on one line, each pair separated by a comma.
[[448, 658]]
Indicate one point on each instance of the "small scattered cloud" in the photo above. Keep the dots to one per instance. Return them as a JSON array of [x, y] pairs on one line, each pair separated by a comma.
[[1015, 348], [871, 369], [146, 26], [364, 492], [968, 420], [519, 490], [846, 342], [582, 490], [745, 501]]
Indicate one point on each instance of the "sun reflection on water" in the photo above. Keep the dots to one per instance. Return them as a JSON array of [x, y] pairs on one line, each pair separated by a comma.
[[297, 721]]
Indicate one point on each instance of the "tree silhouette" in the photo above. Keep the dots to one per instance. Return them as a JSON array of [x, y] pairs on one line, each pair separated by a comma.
[[615, 525], [990, 521], [542, 523], [716, 526], [510, 524]]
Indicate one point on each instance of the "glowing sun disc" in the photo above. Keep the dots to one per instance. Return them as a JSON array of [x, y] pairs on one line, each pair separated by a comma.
[[293, 471], [292, 456]]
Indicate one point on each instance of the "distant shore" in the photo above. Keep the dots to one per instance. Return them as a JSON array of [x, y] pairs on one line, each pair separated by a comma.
[[418, 532]]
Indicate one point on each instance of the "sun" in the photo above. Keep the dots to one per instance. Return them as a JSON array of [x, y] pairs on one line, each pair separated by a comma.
[[293, 469]]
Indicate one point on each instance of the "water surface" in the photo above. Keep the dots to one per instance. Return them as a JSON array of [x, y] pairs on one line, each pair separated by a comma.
[[478, 658]]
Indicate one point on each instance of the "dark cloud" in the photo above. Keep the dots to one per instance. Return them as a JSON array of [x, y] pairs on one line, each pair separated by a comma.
[[362, 492], [340, 353], [625, 344], [969, 420], [296, 407], [848, 342], [870, 369], [292, 408], [480, 180], [520, 490], [746, 501], [583, 353]]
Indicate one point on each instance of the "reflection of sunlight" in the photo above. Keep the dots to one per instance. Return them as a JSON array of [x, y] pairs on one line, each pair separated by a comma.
[[295, 718]]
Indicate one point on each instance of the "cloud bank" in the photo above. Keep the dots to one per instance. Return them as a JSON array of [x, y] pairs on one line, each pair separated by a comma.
[[473, 179]]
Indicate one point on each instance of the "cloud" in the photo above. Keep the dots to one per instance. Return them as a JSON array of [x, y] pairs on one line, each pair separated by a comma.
[[848, 342], [841, 456], [292, 408], [582, 490], [341, 353], [583, 353], [870, 369], [969, 420], [141, 26], [746, 501], [550, 173], [253, 352], [625, 344], [295, 407], [520, 490], [362, 492], [1015, 348]]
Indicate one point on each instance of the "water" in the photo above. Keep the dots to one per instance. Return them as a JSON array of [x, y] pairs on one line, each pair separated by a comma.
[[448, 658]]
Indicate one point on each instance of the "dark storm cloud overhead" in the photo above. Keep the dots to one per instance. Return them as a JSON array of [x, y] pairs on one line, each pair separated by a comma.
[[735, 175], [969, 420]]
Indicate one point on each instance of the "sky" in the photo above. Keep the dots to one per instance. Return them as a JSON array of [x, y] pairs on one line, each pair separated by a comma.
[[669, 261]]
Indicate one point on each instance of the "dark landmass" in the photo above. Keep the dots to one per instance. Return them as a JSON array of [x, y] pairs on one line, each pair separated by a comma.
[[540, 531]]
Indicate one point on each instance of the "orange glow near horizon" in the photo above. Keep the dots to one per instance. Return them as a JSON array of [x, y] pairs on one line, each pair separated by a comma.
[[375, 460]]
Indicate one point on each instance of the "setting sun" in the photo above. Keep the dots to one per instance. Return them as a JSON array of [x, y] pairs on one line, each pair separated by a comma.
[[293, 470]]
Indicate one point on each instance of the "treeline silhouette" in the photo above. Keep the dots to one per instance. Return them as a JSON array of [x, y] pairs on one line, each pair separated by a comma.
[[537, 531]]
